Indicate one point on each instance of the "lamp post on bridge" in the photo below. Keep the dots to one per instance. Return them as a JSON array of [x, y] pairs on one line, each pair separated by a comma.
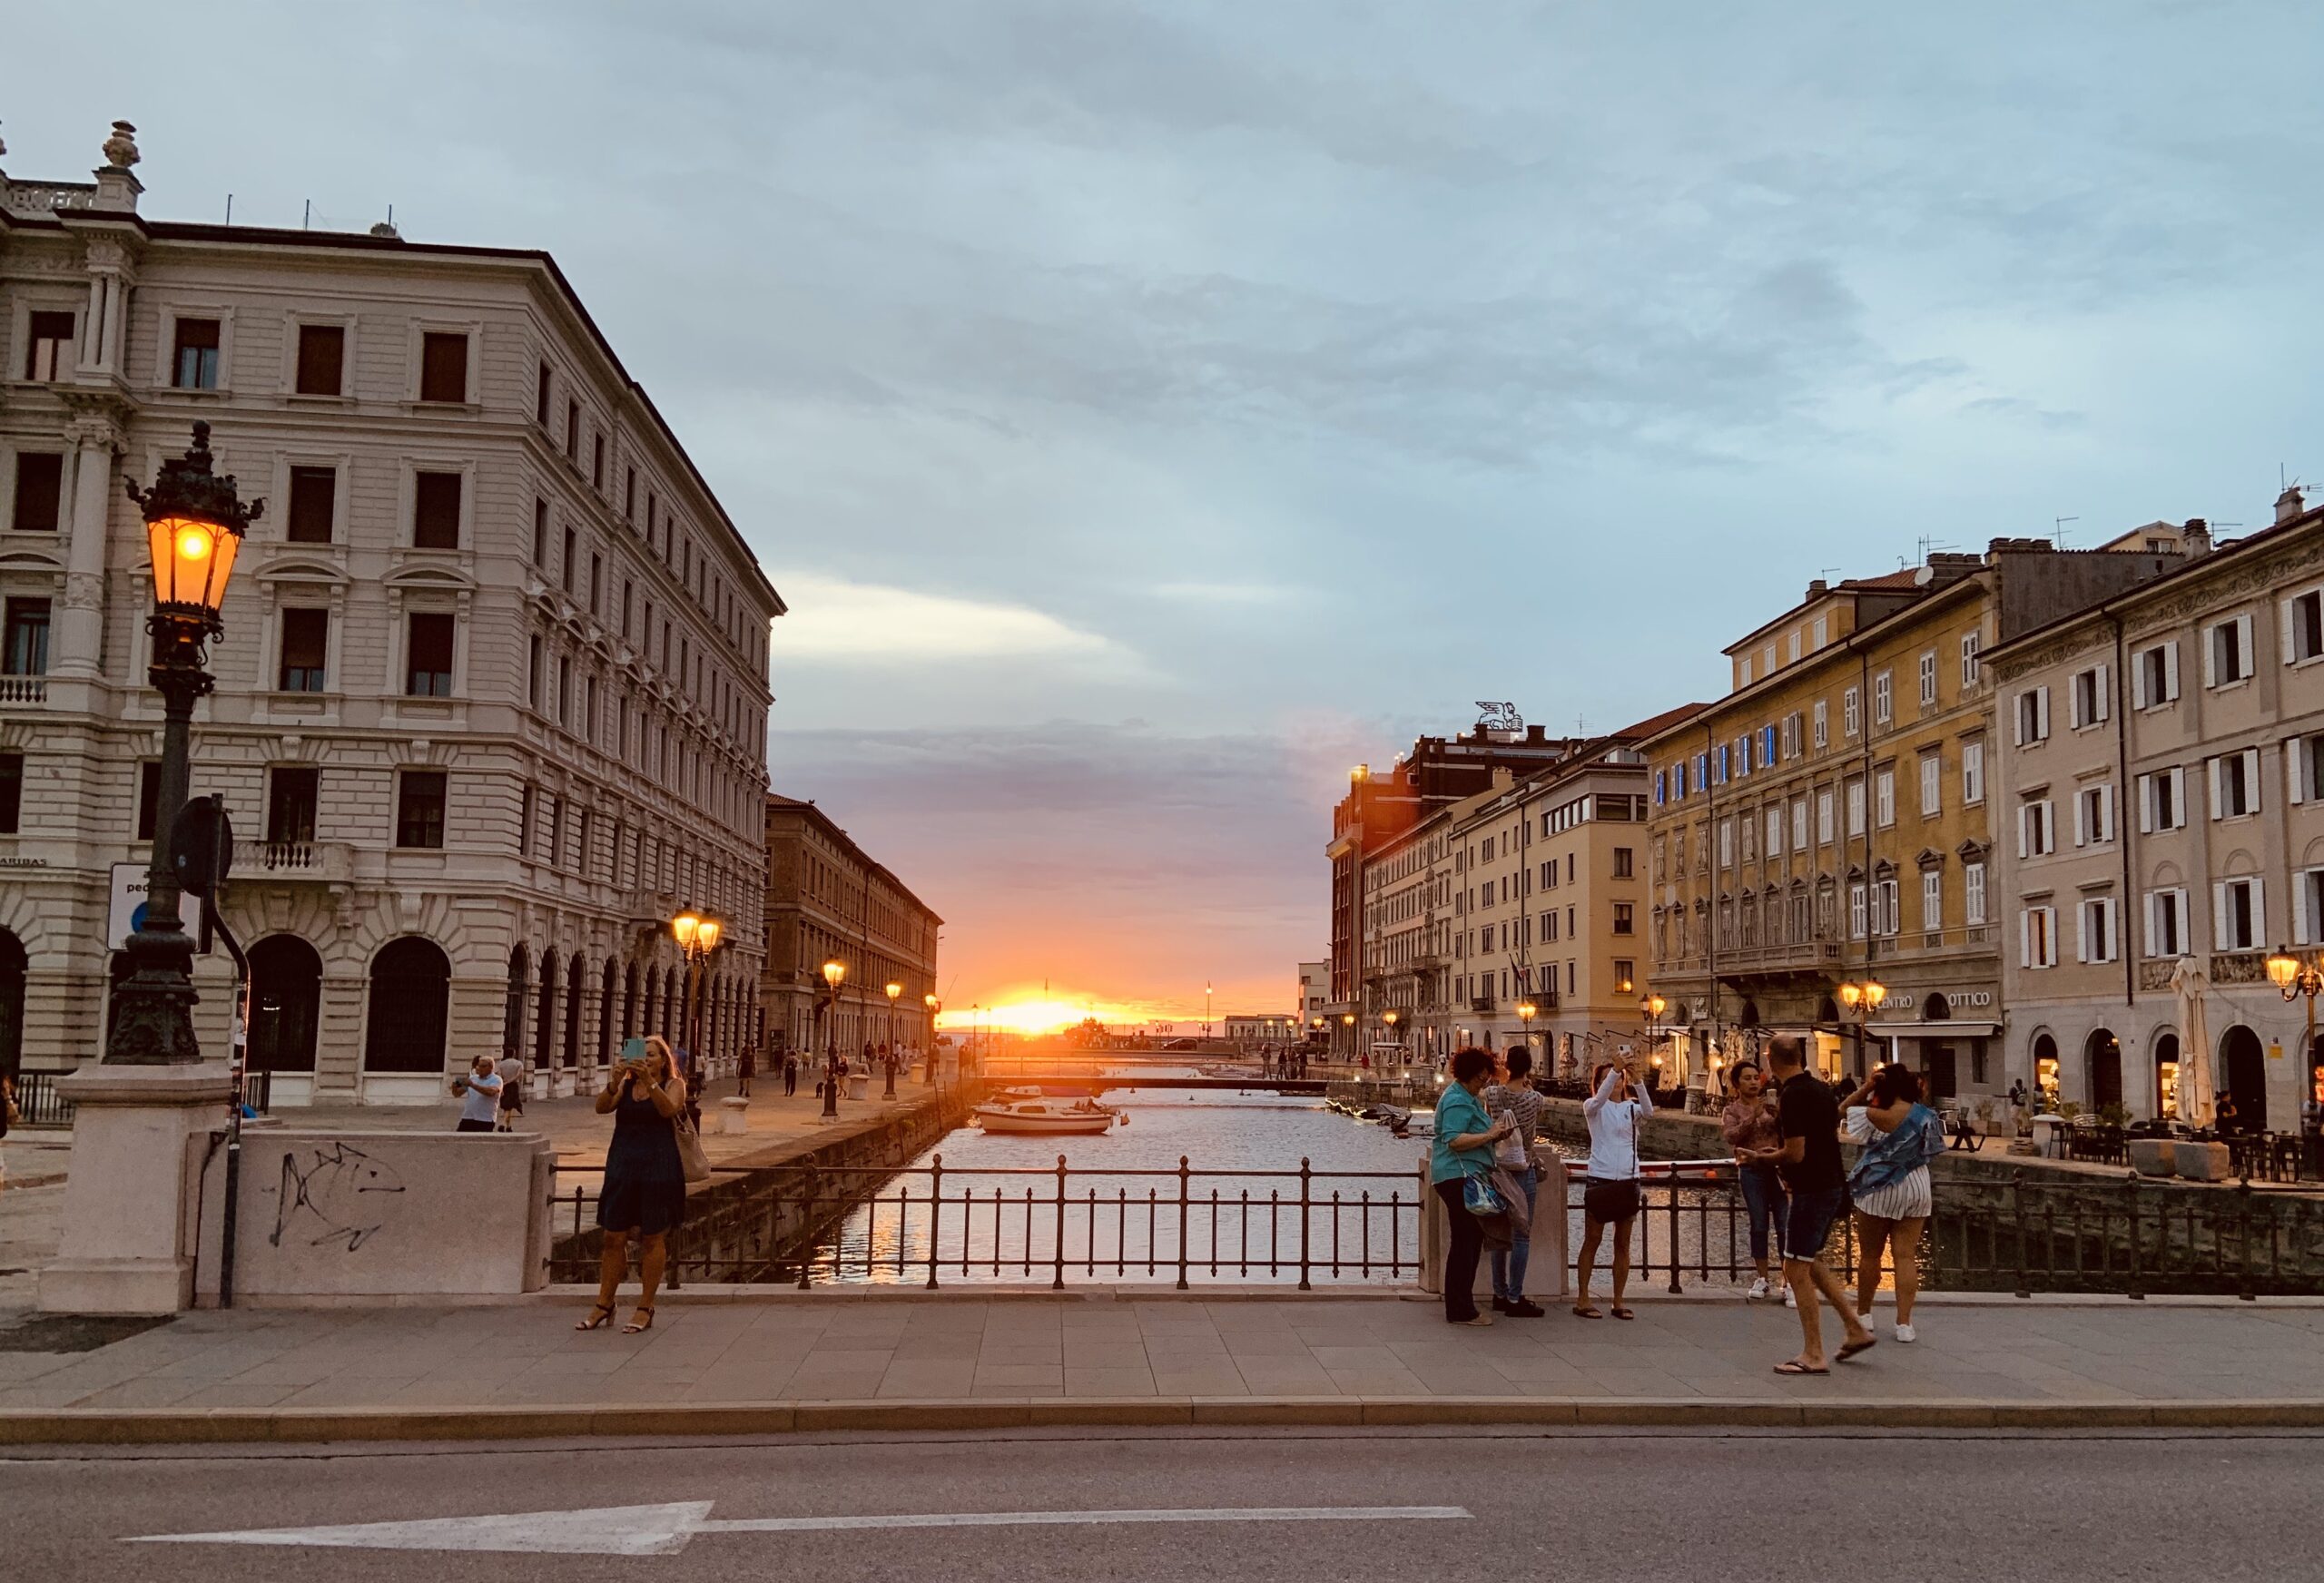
[[895, 990], [834, 974], [927, 1057], [1864, 999]]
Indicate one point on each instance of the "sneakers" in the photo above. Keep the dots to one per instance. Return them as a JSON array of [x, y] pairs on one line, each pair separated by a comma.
[[1499, 1304], [1905, 1333], [1758, 1293], [1524, 1308], [1789, 1300]]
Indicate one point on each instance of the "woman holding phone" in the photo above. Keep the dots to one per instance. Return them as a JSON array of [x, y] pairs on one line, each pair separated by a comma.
[[643, 1194]]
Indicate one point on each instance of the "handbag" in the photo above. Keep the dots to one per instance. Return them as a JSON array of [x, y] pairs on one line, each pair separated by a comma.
[[691, 1157], [1479, 1198]]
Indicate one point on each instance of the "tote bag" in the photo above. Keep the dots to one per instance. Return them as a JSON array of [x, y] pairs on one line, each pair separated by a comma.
[[695, 1163]]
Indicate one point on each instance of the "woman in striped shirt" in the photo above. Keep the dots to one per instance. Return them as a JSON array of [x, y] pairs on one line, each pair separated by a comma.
[[1511, 1097]]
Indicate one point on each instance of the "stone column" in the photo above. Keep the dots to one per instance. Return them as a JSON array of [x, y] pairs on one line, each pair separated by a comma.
[[131, 1199], [97, 438]]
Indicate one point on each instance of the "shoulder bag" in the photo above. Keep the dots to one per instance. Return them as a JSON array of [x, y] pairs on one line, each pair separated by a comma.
[[691, 1157]]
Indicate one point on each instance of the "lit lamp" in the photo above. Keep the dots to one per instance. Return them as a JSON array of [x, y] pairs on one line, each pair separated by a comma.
[[895, 990], [698, 936], [194, 524], [834, 975], [2299, 978], [1526, 1012], [1864, 999]]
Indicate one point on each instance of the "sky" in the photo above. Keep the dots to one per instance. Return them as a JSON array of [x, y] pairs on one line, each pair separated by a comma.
[[1149, 410]]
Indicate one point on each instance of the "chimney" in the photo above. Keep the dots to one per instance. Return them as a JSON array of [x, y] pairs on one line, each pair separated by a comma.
[[2290, 503], [1536, 735], [2196, 536], [1817, 589]]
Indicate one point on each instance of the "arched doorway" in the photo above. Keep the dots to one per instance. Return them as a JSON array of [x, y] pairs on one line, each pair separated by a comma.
[[2166, 1075], [545, 1016], [603, 1053], [2045, 1070], [286, 1004], [2243, 1071], [2102, 1057], [653, 1003], [411, 987], [577, 993], [520, 979], [13, 963], [629, 1001]]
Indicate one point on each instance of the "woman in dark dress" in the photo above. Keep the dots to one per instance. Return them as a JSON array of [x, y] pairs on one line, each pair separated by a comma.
[[643, 1194]]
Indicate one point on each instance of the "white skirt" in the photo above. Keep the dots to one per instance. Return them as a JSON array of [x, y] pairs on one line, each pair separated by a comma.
[[1906, 1198]]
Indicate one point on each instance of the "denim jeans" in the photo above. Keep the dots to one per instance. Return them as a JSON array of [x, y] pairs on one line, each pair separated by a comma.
[[1763, 1199], [1509, 1268]]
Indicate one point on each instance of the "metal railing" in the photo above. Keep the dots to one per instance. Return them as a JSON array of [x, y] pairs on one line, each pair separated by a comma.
[[38, 1103], [799, 1224]]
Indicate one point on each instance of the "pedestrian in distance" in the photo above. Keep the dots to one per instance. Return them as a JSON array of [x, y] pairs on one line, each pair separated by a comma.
[[1889, 1188], [642, 1196], [511, 1073], [1755, 1132], [790, 1073], [1463, 1148], [1512, 1099], [1609, 1189], [1810, 1164], [478, 1090], [746, 1069]]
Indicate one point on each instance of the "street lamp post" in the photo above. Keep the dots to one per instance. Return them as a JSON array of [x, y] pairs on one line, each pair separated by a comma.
[[1526, 1012], [2300, 979], [194, 524], [698, 936], [1388, 1020], [834, 974], [895, 990], [1864, 999], [1347, 1021], [928, 1055]]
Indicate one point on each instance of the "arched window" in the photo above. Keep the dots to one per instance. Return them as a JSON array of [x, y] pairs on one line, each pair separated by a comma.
[[605, 1015], [286, 1004], [2166, 1074], [520, 981], [412, 990], [12, 1003], [629, 1001], [545, 1016], [577, 993], [2245, 1067], [2102, 1056]]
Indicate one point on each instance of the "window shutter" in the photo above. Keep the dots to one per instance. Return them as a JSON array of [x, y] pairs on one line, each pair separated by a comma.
[[2106, 811], [2138, 682], [2243, 633], [2259, 905], [2017, 723], [2153, 921], [2105, 687], [2218, 915], [2178, 796], [2042, 710], [2300, 924], [2146, 804], [2210, 657], [2073, 704], [2214, 767], [2081, 933], [2024, 815], [2170, 671], [2295, 751], [2251, 778], [2284, 621], [2025, 938], [2082, 834]]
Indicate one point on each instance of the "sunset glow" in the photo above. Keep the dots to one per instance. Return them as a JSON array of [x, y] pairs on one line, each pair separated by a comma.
[[1031, 1012]]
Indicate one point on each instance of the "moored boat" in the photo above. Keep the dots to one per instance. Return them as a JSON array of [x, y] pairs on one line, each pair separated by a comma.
[[1048, 1117]]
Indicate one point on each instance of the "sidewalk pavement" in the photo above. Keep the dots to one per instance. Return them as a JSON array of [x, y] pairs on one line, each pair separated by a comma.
[[756, 1360]]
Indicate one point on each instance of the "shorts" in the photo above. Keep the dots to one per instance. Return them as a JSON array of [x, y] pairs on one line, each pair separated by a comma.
[[1614, 1201], [1808, 1224], [467, 1125], [1906, 1198]]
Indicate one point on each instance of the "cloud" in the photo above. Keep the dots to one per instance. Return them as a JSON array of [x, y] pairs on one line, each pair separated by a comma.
[[832, 619]]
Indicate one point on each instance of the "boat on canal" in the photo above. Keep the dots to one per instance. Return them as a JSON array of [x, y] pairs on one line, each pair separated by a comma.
[[1044, 1116]]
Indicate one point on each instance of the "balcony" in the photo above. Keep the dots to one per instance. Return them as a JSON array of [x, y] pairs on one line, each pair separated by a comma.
[[294, 862], [28, 692], [1481, 1005]]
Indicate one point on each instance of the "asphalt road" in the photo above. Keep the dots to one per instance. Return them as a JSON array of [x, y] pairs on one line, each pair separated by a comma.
[[1735, 1508]]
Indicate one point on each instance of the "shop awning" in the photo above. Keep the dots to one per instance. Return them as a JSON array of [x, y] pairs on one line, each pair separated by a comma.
[[1943, 1028]]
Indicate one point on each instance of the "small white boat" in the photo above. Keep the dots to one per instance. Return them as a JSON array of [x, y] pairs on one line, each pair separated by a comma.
[[1052, 1117]]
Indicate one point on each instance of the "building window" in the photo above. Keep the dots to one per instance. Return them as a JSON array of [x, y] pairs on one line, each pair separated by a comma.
[[1855, 809], [1855, 911], [11, 792], [1883, 795], [2162, 800], [25, 637], [2093, 815], [1625, 862], [436, 511], [443, 367], [193, 364], [2088, 707], [1775, 832], [1928, 680], [1625, 976], [2235, 784], [2304, 626], [2154, 676], [1969, 646], [566, 567], [2094, 935], [1973, 772], [322, 359], [1851, 713], [1799, 824], [533, 673], [2166, 923], [1625, 916], [1883, 698], [409, 1013], [573, 431], [1932, 900], [598, 462], [1932, 785], [1885, 908], [1972, 893], [2241, 917], [420, 809], [314, 503], [2037, 833], [306, 641], [1823, 719], [2307, 905], [629, 495], [2033, 716], [40, 492], [2227, 653], [541, 396], [50, 355], [429, 674], [292, 791], [2037, 938], [149, 797], [1824, 818]]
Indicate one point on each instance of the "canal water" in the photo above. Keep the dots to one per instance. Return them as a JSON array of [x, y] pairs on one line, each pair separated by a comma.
[[1236, 1214]]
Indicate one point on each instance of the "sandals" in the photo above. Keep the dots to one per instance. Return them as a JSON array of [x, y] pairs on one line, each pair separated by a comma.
[[1622, 1312], [1586, 1311], [600, 1316], [1794, 1366], [1853, 1348], [640, 1318]]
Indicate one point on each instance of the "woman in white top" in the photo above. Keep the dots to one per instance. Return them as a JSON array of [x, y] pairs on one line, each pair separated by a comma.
[[1609, 1192]]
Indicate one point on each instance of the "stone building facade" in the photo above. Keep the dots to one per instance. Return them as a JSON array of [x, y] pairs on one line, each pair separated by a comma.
[[492, 692], [2160, 767], [826, 900], [1830, 821]]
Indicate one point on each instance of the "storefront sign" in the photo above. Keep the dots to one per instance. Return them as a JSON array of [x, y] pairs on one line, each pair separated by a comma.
[[128, 906]]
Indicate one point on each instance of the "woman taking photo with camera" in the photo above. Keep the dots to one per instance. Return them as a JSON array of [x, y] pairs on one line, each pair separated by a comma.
[[643, 1194]]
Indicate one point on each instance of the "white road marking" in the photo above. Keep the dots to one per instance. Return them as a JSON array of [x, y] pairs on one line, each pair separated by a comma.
[[664, 1530]]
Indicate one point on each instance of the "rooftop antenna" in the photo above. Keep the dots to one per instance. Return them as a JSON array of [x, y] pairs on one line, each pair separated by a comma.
[[229, 209], [307, 216], [2058, 528]]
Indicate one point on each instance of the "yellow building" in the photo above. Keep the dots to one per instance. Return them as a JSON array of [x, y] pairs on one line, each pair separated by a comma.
[[1825, 826]]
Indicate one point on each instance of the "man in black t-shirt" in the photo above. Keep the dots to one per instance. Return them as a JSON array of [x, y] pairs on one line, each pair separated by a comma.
[[1810, 1165]]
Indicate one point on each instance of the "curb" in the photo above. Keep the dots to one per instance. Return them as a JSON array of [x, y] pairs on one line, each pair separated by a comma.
[[163, 1426]]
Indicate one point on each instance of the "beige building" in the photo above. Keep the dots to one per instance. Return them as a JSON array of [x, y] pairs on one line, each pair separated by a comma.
[[827, 900], [492, 693], [2158, 767]]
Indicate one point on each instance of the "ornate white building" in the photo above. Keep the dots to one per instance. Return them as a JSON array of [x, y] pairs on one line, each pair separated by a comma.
[[492, 693]]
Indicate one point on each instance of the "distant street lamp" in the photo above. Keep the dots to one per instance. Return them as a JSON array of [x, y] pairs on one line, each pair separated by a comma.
[[927, 1057], [1864, 999], [1388, 1019], [1347, 1021], [1205, 1011], [194, 524], [834, 974], [895, 990], [1526, 1012]]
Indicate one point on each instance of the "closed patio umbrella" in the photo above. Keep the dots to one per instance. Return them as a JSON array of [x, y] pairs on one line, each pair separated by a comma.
[[2188, 982]]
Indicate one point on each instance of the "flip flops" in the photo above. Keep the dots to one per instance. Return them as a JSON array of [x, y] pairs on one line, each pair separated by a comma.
[[1853, 1348], [1795, 1367]]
